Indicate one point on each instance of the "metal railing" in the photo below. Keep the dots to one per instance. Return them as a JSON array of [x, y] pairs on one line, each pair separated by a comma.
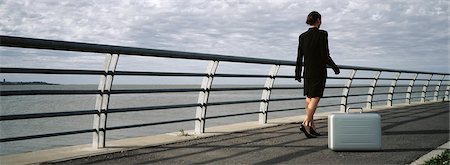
[[113, 53]]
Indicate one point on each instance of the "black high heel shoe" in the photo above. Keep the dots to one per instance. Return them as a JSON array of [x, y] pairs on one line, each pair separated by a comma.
[[308, 135], [313, 132]]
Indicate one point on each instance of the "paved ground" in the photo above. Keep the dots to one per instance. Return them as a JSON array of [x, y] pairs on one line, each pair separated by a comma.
[[408, 133]]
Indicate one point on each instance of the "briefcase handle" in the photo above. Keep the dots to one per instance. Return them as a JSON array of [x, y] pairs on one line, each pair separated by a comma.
[[360, 109]]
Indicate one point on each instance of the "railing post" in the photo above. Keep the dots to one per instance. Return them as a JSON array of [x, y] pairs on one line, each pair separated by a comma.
[[346, 91], [102, 101], [447, 91], [410, 88], [424, 89], [264, 106], [436, 91], [392, 89], [372, 90], [204, 96]]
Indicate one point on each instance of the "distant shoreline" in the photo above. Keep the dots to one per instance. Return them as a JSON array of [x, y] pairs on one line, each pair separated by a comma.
[[26, 83]]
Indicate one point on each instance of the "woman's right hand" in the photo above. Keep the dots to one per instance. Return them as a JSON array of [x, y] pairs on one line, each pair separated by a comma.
[[336, 70]]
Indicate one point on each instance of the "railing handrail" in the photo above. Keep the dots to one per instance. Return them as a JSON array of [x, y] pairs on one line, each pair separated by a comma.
[[23, 42], [12, 41]]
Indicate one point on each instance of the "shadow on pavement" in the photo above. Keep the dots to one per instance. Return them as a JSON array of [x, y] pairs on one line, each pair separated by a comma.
[[408, 133]]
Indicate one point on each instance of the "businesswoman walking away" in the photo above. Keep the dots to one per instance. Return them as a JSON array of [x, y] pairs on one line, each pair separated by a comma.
[[313, 50]]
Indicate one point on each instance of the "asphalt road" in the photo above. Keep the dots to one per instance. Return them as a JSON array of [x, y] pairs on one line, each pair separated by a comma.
[[408, 133]]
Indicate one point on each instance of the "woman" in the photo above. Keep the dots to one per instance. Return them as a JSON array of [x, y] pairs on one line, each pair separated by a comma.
[[313, 47]]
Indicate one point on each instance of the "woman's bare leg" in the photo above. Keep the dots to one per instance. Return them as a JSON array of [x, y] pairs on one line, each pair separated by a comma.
[[311, 106], [306, 119], [307, 101]]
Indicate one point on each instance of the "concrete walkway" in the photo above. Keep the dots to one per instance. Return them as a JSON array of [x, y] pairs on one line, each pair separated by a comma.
[[408, 133]]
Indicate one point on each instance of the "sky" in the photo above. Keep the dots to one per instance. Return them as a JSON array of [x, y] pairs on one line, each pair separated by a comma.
[[395, 34]]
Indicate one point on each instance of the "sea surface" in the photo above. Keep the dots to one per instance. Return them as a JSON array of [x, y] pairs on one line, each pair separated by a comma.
[[63, 103]]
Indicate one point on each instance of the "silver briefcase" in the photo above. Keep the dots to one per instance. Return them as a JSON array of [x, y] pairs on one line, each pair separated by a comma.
[[354, 131]]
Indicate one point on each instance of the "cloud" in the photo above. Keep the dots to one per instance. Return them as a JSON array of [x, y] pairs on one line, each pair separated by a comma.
[[361, 32]]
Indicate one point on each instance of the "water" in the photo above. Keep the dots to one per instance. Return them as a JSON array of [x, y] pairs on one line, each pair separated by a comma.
[[62, 103]]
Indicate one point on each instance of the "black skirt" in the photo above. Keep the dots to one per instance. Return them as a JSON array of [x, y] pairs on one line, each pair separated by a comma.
[[314, 87]]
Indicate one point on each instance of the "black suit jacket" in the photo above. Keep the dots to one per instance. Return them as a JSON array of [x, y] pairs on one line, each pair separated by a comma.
[[313, 48]]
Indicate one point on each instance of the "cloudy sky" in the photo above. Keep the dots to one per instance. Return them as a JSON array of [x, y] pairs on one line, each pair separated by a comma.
[[397, 34]]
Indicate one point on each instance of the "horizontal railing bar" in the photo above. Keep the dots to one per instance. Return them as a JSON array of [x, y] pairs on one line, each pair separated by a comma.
[[151, 124], [332, 87], [385, 78], [284, 88], [22, 42], [129, 91], [241, 75], [400, 92], [46, 115], [50, 71], [356, 95], [45, 135], [384, 93], [363, 78], [137, 91], [431, 80], [383, 86], [393, 93], [330, 105], [232, 115], [134, 109], [48, 92], [422, 79], [281, 110], [237, 89], [417, 97], [431, 89], [182, 90], [288, 99], [416, 92], [361, 86], [405, 79], [233, 102], [371, 78], [94, 72], [136, 73], [141, 91], [361, 102], [388, 70], [332, 96], [284, 76], [301, 87], [404, 85], [337, 78]]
